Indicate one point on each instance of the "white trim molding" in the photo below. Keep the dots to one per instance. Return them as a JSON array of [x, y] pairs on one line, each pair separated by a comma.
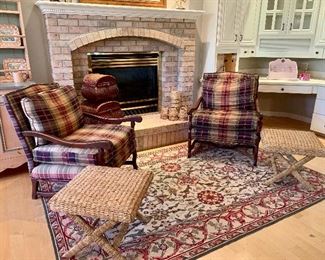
[[47, 7]]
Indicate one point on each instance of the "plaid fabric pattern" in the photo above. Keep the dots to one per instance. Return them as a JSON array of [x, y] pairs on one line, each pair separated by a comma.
[[56, 112], [18, 118], [226, 120], [225, 137], [55, 172], [122, 138], [229, 91]]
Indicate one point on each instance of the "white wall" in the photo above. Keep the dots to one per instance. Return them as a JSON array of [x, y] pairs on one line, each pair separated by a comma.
[[36, 41]]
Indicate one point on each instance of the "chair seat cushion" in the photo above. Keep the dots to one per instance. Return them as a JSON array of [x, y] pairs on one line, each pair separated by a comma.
[[55, 172], [123, 145], [221, 137], [226, 120]]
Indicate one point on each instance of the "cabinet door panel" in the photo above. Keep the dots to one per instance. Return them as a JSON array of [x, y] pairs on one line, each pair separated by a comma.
[[228, 32], [274, 16], [320, 32], [303, 17], [250, 10]]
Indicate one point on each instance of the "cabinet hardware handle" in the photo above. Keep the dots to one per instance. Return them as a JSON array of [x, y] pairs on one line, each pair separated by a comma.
[[317, 52], [252, 51], [241, 37], [283, 26], [282, 89], [245, 51], [290, 26], [236, 36]]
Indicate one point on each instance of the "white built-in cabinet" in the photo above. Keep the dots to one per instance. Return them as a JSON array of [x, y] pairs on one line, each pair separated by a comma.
[[238, 26], [287, 28], [289, 17], [318, 120], [320, 34]]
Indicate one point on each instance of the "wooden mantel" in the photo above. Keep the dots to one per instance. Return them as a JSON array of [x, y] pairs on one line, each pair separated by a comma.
[[47, 7]]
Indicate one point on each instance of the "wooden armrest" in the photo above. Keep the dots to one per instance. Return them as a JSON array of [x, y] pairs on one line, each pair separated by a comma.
[[112, 120], [100, 144], [196, 106]]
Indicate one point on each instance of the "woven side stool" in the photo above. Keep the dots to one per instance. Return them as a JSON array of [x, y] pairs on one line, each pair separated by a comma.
[[280, 141], [111, 194]]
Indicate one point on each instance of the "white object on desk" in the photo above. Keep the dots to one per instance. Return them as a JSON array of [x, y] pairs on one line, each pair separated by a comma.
[[283, 69]]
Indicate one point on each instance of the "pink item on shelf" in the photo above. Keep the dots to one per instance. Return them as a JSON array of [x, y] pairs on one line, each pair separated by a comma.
[[283, 69], [304, 75]]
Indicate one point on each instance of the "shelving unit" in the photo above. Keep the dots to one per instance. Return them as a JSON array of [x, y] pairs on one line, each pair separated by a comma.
[[11, 153], [6, 7]]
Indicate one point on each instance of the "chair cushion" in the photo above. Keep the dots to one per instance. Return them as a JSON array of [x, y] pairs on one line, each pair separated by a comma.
[[56, 112], [226, 120], [225, 137], [123, 145], [229, 91], [55, 172]]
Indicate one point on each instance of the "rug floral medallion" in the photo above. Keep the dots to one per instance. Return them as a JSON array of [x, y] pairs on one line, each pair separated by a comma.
[[197, 205]]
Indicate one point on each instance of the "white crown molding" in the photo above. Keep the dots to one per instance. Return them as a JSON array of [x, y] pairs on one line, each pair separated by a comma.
[[47, 7]]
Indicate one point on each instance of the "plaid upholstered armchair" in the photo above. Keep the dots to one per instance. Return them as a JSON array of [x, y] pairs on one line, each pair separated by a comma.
[[58, 144], [229, 114]]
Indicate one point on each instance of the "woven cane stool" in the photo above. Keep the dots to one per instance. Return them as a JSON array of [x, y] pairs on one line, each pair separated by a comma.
[[279, 141], [111, 194]]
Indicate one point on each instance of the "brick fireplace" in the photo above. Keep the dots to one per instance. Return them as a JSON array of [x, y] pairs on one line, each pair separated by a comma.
[[73, 30]]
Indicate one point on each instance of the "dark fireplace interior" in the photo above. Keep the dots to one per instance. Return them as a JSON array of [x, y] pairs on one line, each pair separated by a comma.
[[137, 78]]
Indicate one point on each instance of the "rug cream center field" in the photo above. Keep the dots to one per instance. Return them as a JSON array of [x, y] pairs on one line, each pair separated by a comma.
[[199, 204]]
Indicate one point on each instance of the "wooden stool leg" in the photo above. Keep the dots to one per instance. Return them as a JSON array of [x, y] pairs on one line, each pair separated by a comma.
[[143, 218], [302, 181], [92, 235], [290, 170]]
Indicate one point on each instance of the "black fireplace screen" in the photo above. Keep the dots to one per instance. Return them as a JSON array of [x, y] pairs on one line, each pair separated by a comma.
[[137, 78]]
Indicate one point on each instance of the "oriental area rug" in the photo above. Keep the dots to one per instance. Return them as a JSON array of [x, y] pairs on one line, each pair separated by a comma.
[[199, 204]]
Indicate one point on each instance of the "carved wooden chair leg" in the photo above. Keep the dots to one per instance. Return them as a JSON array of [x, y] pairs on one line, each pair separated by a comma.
[[34, 189], [255, 154], [189, 144], [134, 160]]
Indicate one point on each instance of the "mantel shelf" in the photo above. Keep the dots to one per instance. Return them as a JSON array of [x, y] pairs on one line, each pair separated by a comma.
[[113, 10]]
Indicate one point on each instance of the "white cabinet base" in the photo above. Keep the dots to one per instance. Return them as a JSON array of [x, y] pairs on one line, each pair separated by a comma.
[[318, 123]]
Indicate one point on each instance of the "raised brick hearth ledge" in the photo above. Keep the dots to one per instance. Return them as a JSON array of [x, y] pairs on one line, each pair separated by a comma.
[[73, 30]]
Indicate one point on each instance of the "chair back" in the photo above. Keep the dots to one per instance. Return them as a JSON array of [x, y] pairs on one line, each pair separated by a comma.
[[229, 91], [18, 118]]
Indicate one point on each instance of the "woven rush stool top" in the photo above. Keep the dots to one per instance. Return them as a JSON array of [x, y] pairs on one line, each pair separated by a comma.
[[291, 142], [103, 192]]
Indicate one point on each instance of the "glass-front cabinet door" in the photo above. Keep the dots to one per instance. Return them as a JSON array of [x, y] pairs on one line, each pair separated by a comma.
[[274, 16], [289, 17], [303, 16]]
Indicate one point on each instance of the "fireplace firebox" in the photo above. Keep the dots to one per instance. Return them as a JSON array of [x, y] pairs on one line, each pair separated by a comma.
[[137, 78]]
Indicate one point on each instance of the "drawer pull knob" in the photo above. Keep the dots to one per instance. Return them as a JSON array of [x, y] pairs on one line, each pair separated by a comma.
[[282, 89], [317, 52], [245, 51]]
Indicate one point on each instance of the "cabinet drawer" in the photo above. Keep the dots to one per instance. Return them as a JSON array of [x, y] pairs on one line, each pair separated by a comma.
[[318, 123], [286, 89], [320, 107], [321, 93], [247, 52]]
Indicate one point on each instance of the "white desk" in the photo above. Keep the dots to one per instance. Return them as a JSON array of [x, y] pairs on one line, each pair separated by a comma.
[[313, 86]]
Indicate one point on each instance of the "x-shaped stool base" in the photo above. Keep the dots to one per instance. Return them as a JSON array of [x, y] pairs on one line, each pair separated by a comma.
[[95, 235], [293, 169]]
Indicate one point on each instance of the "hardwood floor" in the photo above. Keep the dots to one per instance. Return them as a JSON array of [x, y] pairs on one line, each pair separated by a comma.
[[24, 234]]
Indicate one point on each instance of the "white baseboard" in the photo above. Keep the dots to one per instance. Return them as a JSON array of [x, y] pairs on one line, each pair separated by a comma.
[[289, 115]]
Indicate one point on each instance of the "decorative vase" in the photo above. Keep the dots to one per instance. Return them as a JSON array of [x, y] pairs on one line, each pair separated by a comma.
[[180, 4]]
